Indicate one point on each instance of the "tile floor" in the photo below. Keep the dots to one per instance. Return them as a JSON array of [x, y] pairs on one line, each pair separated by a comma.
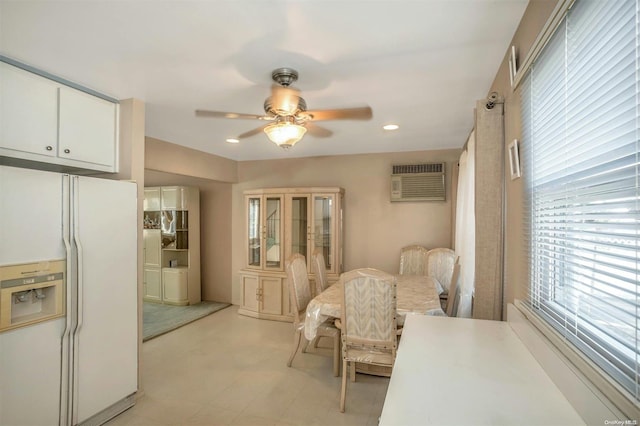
[[227, 369]]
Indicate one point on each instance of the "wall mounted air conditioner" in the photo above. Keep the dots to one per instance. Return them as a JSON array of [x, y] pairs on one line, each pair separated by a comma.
[[418, 182]]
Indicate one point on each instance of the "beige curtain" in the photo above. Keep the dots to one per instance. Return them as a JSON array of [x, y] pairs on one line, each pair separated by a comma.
[[489, 177]]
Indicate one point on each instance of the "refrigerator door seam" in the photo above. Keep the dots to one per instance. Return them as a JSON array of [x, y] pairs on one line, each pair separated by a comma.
[[77, 302], [65, 367]]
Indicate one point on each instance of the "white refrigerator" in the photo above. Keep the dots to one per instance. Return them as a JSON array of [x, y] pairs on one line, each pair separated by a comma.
[[68, 336]]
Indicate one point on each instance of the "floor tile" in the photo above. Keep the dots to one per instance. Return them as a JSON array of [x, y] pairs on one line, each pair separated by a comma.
[[228, 369]]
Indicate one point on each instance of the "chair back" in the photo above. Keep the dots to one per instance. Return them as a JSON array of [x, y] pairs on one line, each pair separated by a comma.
[[440, 262], [319, 271], [413, 260], [299, 288], [369, 310]]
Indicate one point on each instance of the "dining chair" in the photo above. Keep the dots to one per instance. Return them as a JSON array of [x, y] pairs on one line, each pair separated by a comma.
[[300, 296], [413, 260], [319, 271], [440, 265], [368, 322]]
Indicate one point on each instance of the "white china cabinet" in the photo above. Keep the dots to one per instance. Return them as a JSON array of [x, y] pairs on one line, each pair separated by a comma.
[[279, 223]]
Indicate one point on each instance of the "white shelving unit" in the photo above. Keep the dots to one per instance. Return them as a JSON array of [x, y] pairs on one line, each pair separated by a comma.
[[172, 245]]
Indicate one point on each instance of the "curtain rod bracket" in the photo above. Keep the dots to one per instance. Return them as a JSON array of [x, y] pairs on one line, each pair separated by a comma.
[[492, 100]]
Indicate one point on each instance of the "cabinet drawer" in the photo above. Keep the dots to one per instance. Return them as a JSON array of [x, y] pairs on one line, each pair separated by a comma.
[[152, 240], [250, 295], [271, 295], [174, 282], [152, 284]]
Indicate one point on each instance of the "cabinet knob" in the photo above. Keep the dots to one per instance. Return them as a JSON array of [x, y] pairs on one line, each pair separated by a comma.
[[67, 150], [49, 148]]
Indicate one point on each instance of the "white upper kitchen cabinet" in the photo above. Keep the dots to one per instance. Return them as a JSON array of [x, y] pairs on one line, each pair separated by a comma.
[[28, 112], [45, 121], [87, 128]]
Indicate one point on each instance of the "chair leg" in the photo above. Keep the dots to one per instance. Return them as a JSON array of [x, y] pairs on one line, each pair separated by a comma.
[[305, 344], [296, 344], [336, 356], [343, 392], [315, 343], [352, 371]]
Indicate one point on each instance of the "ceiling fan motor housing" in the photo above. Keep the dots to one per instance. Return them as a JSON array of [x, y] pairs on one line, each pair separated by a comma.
[[284, 76], [281, 110]]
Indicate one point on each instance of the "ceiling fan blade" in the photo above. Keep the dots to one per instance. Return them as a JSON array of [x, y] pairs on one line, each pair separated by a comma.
[[284, 99], [320, 132], [362, 113], [222, 114], [252, 132]]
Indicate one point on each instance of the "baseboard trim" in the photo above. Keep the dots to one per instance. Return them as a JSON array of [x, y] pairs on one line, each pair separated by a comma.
[[110, 412]]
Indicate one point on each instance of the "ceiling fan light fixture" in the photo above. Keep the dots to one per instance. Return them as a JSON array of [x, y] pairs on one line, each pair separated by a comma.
[[285, 134], [233, 140]]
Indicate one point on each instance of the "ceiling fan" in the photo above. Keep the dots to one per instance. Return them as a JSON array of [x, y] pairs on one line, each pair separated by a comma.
[[287, 113]]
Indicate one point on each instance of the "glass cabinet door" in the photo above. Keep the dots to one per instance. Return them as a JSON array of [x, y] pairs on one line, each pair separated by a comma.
[[254, 233], [273, 232], [323, 228], [300, 225]]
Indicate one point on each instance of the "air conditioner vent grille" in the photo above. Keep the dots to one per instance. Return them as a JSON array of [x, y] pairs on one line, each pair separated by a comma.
[[420, 186], [418, 182], [418, 168]]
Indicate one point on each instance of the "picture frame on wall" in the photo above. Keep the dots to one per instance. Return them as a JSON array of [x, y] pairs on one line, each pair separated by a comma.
[[513, 70], [514, 159]]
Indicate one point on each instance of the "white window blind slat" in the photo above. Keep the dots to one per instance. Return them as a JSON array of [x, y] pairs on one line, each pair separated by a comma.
[[581, 163]]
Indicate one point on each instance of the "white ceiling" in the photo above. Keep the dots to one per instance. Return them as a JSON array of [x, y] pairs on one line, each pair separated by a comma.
[[420, 64]]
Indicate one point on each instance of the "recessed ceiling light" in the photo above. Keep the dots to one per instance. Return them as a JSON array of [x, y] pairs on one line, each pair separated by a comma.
[[391, 127], [231, 140]]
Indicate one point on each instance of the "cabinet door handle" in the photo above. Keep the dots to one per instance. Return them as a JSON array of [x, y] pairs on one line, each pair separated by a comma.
[[67, 150], [49, 148]]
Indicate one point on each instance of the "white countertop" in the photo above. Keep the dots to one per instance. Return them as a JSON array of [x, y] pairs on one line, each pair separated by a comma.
[[455, 371]]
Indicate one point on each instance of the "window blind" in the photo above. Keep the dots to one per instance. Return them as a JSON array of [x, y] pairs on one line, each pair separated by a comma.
[[580, 147]]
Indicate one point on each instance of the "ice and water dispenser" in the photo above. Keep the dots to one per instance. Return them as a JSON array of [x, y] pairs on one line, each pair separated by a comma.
[[31, 293]]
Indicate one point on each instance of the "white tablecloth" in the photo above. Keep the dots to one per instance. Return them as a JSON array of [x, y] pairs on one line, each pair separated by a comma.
[[415, 293]]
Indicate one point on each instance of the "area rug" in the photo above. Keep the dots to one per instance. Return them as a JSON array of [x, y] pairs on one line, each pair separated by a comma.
[[159, 319]]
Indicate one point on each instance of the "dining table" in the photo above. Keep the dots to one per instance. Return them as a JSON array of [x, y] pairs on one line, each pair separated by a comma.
[[419, 294]]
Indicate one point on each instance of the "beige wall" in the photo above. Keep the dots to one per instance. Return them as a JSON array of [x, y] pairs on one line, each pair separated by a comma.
[[167, 157], [375, 228], [515, 264]]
